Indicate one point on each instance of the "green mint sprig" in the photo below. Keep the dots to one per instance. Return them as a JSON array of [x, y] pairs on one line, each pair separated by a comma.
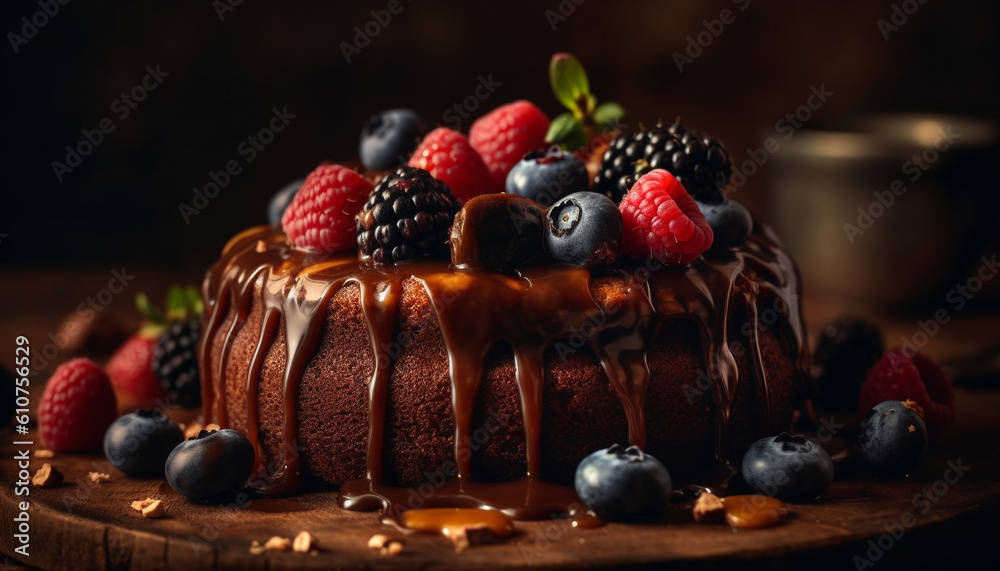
[[572, 130]]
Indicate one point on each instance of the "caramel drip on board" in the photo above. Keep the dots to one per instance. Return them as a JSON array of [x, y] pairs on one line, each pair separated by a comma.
[[475, 310]]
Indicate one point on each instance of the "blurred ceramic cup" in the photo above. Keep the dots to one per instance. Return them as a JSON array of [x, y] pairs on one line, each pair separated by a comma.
[[896, 212]]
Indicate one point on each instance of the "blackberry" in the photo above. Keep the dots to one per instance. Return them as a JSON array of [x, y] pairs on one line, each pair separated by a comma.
[[175, 362], [698, 161], [408, 215], [848, 348]]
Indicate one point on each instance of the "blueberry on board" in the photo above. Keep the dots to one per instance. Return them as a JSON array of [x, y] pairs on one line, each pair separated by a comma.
[[730, 222], [214, 465], [893, 437], [789, 468], [281, 200], [547, 176], [584, 229], [139, 443], [621, 484], [387, 139]]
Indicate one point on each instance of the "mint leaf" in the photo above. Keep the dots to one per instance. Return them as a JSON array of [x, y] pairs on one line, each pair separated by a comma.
[[570, 85], [567, 132], [609, 115], [192, 301]]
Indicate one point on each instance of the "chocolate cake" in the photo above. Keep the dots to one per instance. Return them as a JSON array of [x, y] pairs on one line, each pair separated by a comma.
[[383, 378]]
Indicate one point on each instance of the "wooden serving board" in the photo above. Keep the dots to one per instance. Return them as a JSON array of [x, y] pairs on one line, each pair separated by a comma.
[[81, 525]]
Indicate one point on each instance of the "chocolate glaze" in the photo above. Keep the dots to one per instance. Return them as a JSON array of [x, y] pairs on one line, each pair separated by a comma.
[[476, 309]]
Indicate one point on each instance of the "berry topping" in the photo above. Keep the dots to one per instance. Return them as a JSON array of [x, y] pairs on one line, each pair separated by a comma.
[[621, 484], [175, 362], [545, 177], [790, 468], [730, 222], [893, 437], [388, 138], [583, 229], [407, 216], [662, 220], [900, 375], [130, 369], [77, 407], [321, 215], [449, 157], [139, 443], [848, 348], [214, 465], [699, 162], [506, 134], [281, 199], [499, 232]]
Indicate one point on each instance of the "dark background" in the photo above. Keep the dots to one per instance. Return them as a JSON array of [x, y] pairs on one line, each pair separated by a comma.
[[121, 205]]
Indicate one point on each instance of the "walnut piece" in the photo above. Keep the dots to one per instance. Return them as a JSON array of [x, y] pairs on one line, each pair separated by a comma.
[[303, 542], [462, 537], [708, 507], [391, 550], [139, 505], [47, 476], [278, 544], [256, 548], [98, 477], [43, 453], [378, 541], [154, 509]]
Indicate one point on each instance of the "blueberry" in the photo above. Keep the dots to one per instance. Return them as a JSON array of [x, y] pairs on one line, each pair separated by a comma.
[[789, 468], [621, 484], [545, 177], [388, 138], [730, 221], [281, 200], [211, 466], [893, 437], [139, 443], [583, 229]]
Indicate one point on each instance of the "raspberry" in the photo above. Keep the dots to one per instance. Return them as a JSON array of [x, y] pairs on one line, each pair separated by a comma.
[[77, 407], [131, 373], [408, 215], [661, 219], [503, 136], [449, 157], [699, 162], [175, 362], [899, 376], [321, 215]]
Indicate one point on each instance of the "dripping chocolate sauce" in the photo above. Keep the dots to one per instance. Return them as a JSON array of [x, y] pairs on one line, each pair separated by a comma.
[[530, 313]]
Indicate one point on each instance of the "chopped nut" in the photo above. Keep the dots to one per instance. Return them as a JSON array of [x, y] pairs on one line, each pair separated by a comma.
[[913, 428], [278, 544], [392, 549], [47, 476], [467, 535], [912, 405], [154, 509], [303, 542], [44, 453], [256, 548], [98, 477], [708, 507], [378, 541], [212, 427], [192, 430], [140, 505], [261, 246]]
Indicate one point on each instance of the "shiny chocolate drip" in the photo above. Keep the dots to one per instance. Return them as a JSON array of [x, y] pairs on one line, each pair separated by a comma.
[[476, 309]]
